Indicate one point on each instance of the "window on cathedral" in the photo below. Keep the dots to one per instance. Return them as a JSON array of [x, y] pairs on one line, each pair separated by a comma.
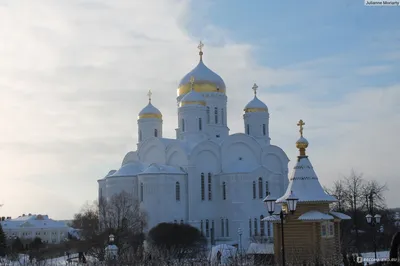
[[331, 229], [250, 231], [248, 129], [183, 125], [200, 125], [262, 226], [223, 190], [202, 187], [264, 129], [208, 115], [222, 116], [222, 227], [202, 227], [266, 188], [216, 115], [260, 188], [212, 227], [175, 221], [254, 189], [181, 221], [209, 187], [140, 135], [227, 227], [255, 227], [177, 191], [268, 229], [155, 133], [207, 229], [141, 192]]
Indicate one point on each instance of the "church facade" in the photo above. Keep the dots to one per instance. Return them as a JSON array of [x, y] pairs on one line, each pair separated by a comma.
[[205, 177]]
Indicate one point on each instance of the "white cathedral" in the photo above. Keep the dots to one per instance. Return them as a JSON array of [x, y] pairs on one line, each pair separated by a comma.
[[205, 177]]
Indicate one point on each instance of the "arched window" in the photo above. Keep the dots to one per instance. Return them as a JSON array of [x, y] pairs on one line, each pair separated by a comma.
[[260, 188], [222, 116], [209, 187], [255, 227], [207, 229], [223, 190], [264, 129], [248, 129], [183, 125], [202, 187], [202, 227], [268, 229], [222, 227], [250, 231], [155, 133], [177, 191], [140, 135], [208, 115], [212, 228], [216, 115], [227, 227], [262, 226], [181, 221], [200, 125], [266, 188], [254, 189], [141, 192]]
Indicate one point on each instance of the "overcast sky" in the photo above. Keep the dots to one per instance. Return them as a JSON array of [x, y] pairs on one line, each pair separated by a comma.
[[74, 75]]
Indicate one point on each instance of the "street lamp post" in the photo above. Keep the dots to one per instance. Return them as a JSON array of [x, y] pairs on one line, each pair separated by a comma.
[[291, 202], [240, 244], [372, 219]]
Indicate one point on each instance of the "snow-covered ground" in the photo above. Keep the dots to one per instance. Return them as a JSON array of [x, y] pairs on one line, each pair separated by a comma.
[[24, 260], [369, 257]]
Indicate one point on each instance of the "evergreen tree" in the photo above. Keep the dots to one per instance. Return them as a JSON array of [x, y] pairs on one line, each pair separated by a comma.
[[3, 243]]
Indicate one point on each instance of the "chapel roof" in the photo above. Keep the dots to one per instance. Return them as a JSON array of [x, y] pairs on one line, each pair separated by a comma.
[[304, 182], [255, 105], [149, 111]]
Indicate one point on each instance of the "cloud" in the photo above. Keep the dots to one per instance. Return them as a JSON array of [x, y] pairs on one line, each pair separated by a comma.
[[75, 75], [373, 70]]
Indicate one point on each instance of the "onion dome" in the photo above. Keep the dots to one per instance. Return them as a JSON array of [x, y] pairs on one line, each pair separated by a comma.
[[255, 105], [206, 79], [193, 97], [301, 143], [150, 111]]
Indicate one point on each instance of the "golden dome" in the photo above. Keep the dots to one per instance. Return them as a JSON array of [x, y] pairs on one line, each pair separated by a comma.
[[193, 97], [255, 105], [150, 111], [301, 143], [206, 79]]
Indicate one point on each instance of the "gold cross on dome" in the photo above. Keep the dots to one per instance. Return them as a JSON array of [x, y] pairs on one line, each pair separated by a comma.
[[200, 46], [301, 124], [149, 95], [254, 88], [191, 82]]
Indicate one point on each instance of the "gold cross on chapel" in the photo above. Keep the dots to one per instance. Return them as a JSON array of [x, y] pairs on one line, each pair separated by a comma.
[[254, 88], [301, 124], [149, 95], [200, 46]]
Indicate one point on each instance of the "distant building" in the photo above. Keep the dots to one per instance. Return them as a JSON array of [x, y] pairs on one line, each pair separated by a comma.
[[27, 227]]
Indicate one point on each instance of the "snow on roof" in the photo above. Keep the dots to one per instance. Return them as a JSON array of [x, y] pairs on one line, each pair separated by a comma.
[[340, 215], [272, 219], [202, 74], [305, 185], [256, 104], [129, 169], [260, 248], [155, 168], [315, 216], [32, 221], [150, 109]]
